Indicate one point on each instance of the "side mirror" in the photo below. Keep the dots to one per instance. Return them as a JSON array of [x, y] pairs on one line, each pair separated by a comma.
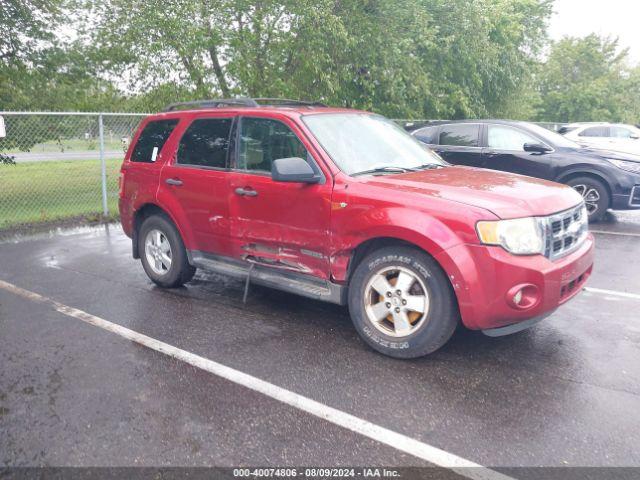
[[293, 169], [536, 148], [633, 136]]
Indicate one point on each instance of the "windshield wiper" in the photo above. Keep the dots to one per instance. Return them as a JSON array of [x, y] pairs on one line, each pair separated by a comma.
[[382, 170], [426, 166]]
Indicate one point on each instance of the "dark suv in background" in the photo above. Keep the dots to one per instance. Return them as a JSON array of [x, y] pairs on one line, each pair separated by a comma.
[[605, 179]]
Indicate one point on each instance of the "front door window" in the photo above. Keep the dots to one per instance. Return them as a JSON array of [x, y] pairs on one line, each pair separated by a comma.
[[507, 138], [263, 140]]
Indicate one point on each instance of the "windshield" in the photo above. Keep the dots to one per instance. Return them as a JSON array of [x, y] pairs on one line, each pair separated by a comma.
[[359, 142], [555, 139]]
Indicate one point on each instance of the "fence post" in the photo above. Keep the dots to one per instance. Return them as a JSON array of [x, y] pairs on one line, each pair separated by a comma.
[[103, 167]]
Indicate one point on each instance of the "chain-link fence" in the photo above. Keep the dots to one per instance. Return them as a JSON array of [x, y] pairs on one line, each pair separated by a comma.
[[56, 166]]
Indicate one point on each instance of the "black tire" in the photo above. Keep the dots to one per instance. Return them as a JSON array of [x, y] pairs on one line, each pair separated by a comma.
[[584, 185], [433, 330], [180, 271]]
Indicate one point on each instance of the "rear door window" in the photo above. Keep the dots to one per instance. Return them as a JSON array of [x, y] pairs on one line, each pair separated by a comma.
[[595, 132], [205, 143], [152, 139], [460, 135]]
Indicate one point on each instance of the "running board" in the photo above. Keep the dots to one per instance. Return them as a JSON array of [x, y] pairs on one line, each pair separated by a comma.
[[284, 280]]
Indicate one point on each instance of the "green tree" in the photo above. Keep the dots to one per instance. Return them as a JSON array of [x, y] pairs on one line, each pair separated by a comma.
[[38, 71], [485, 54], [452, 58], [630, 96], [25, 25], [588, 79]]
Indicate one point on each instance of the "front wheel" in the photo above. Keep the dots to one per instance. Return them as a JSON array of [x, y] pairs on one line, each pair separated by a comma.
[[401, 302], [163, 255], [594, 194]]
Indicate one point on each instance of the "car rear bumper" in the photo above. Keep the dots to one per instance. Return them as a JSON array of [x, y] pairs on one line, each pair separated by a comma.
[[126, 217], [486, 279]]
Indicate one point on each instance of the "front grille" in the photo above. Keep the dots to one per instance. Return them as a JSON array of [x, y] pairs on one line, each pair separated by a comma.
[[566, 231], [635, 196]]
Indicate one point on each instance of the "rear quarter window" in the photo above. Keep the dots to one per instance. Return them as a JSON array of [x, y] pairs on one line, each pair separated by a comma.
[[152, 139], [427, 135], [594, 132]]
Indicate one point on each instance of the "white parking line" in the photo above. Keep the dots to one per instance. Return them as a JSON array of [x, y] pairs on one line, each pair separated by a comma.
[[380, 434], [622, 234], [614, 293]]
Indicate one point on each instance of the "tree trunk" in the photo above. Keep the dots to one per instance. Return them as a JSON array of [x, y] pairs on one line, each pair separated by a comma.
[[217, 70], [195, 75]]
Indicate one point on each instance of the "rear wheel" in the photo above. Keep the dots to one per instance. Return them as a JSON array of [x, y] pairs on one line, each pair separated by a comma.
[[594, 194], [401, 302], [163, 255]]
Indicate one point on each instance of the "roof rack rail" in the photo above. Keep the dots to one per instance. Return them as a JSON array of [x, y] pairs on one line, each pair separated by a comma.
[[241, 102], [214, 103], [288, 102]]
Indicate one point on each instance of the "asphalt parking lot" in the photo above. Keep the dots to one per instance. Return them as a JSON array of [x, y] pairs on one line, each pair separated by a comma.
[[75, 391]]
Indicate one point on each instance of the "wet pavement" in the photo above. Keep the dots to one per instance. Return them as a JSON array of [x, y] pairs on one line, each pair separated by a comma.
[[565, 393]]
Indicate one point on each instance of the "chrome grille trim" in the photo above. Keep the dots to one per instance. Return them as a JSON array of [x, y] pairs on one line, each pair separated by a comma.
[[565, 231]]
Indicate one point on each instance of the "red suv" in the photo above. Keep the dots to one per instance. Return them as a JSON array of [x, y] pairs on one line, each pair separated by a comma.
[[343, 206]]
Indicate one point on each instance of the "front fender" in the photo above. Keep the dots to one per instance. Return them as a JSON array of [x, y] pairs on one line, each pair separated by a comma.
[[585, 170], [400, 223]]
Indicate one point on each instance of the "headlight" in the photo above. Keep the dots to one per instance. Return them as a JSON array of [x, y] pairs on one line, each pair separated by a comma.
[[521, 236], [633, 167]]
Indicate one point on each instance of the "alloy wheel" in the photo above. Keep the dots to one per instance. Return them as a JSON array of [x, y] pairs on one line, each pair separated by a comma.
[[157, 250], [396, 301], [590, 195]]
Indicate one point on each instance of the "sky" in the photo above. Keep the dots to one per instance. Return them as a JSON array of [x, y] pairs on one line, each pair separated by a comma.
[[617, 18]]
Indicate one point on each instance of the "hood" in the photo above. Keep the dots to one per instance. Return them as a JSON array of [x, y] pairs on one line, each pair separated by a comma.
[[604, 154], [506, 195]]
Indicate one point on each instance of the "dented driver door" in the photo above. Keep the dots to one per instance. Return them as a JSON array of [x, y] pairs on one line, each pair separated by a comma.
[[277, 224]]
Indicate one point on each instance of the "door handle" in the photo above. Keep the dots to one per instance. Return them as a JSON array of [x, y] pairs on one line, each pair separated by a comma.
[[174, 181], [246, 192]]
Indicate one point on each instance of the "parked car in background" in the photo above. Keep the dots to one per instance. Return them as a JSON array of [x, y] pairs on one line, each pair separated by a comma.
[[605, 179], [343, 206], [610, 136]]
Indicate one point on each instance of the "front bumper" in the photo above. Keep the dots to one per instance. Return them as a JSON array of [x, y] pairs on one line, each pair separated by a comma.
[[627, 201], [485, 279], [515, 327], [625, 190]]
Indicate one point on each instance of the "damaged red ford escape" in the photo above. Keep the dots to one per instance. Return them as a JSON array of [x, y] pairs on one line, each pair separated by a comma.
[[343, 206]]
